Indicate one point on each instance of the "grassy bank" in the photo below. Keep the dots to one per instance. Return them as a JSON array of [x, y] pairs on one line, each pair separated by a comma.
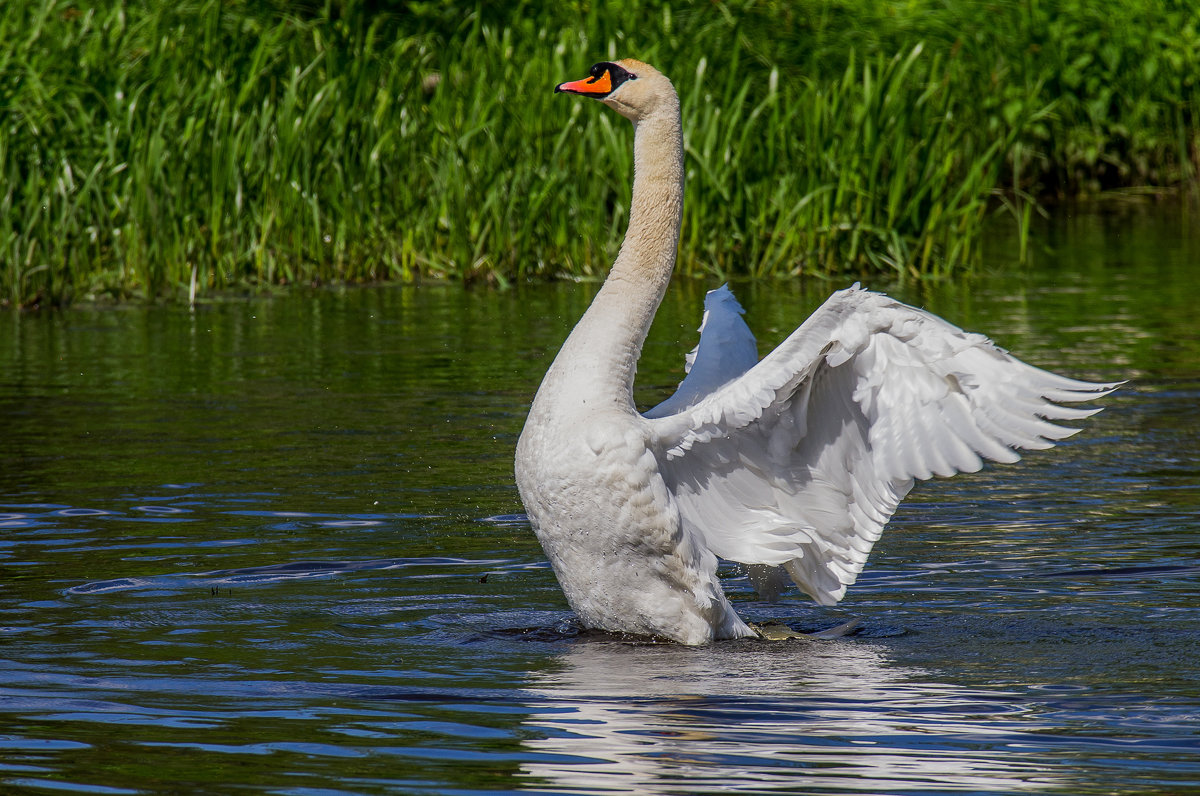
[[164, 149]]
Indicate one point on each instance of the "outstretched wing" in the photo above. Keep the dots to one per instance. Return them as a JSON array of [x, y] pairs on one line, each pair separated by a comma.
[[802, 460]]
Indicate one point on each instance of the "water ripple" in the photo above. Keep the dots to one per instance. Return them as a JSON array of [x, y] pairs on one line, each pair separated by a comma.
[[277, 573]]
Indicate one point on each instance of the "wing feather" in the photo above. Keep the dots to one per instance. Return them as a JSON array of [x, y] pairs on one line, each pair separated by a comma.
[[726, 350], [799, 461]]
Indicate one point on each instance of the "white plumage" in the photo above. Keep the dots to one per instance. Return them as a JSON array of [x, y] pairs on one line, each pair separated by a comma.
[[800, 461], [791, 465], [726, 350]]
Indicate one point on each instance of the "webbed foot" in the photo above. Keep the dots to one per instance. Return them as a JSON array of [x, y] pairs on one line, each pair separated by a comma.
[[777, 631]]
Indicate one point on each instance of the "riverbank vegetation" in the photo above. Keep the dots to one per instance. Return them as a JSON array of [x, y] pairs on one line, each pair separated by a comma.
[[173, 149]]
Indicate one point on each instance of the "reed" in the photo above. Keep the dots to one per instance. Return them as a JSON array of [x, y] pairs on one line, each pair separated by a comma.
[[153, 149]]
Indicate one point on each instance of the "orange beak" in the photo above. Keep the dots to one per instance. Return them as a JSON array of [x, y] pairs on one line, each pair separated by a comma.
[[589, 86]]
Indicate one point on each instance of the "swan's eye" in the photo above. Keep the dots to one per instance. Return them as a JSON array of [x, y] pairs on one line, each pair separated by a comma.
[[617, 74]]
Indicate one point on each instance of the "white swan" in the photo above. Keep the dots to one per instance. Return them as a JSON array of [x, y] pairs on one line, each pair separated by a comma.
[[792, 465]]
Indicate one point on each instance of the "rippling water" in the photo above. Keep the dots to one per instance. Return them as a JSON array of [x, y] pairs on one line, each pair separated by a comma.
[[275, 546]]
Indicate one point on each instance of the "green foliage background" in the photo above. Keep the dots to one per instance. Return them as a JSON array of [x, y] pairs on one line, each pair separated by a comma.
[[152, 149]]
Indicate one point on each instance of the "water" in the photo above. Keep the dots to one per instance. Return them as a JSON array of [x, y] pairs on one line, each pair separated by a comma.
[[274, 546]]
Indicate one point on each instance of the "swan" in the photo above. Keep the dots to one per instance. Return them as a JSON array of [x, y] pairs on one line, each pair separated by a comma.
[[791, 465]]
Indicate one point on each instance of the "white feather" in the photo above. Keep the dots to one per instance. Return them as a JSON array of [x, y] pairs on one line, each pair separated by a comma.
[[726, 350], [801, 460]]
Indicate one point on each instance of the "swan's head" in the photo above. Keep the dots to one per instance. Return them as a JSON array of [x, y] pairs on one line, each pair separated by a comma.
[[631, 88]]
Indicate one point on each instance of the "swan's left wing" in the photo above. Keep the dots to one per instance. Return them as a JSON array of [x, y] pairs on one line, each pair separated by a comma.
[[726, 350], [802, 460]]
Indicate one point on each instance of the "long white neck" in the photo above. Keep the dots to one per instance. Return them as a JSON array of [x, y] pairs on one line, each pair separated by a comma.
[[598, 362]]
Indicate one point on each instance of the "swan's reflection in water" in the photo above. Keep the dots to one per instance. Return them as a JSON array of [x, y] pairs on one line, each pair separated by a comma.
[[820, 716]]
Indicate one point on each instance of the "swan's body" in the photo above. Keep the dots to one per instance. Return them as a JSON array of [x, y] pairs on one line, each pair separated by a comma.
[[791, 465]]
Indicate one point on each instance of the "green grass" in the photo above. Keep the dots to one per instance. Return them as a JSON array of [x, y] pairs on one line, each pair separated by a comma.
[[152, 149]]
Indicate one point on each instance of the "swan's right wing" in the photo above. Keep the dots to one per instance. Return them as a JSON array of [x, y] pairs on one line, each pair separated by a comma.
[[802, 460]]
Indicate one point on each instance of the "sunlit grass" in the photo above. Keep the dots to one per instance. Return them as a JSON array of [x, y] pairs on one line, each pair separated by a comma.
[[152, 149]]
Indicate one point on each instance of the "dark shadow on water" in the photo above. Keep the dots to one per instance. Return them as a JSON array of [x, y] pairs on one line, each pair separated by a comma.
[[1126, 572]]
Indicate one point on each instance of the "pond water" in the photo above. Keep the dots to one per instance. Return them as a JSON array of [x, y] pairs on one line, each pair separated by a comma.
[[274, 545]]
